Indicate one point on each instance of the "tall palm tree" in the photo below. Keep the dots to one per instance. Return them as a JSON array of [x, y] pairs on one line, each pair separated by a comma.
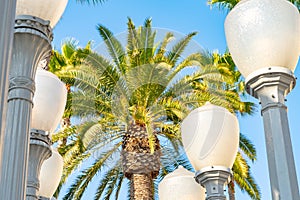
[[133, 104]]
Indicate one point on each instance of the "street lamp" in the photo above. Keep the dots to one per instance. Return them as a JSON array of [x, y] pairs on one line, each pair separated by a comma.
[[180, 185], [50, 175], [49, 103], [263, 37], [210, 136], [32, 38]]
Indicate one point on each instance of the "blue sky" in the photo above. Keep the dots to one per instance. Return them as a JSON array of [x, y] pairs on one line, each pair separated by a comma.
[[80, 21]]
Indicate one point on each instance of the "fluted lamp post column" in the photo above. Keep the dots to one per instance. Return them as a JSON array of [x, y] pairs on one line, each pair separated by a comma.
[[210, 136], [49, 103], [180, 185], [263, 38], [33, 34], [7, 16], [50, 175]]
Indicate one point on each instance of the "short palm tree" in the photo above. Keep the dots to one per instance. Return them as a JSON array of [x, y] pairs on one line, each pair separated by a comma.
[[68, 58], [235, 86], [131, 107]]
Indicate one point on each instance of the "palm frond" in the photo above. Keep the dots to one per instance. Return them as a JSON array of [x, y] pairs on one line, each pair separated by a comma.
[[223, 4], [190, 61], [110, 181], [178, 48], [94, 2], [162, 48], [247, 147], [248, 185], [78, 187], [147, 38], [114, 47]]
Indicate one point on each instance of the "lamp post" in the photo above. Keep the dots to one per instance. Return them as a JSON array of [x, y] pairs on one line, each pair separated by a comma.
[[263, 38], [210, 136], [31, 44], [50, 175], [7, 14], [179, 185], [49, 103]]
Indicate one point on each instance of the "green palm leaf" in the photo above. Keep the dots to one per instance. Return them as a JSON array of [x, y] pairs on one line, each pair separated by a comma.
[[77, 189], [91, 1], [114, 47], [178, 48]]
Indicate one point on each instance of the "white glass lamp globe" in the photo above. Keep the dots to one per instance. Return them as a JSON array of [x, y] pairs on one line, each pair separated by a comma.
[[50, 10], [262, 34], [180, 185], [210, 136], [50, 175], [49, 101]]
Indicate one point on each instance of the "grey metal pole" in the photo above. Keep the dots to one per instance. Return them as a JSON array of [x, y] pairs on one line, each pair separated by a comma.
[[39, 151], [270, 86], [7, 16], [214, 180], [31, 44]]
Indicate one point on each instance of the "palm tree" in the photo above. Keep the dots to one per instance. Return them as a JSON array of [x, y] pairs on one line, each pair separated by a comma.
[[241, 169], [233, 87], [135, 103], [70, 57]]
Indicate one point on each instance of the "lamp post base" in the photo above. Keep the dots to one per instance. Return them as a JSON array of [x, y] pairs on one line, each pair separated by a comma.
[[270, 86], [214, 179]]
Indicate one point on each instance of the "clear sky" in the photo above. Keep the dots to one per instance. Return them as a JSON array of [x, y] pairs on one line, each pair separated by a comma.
[[80, 21]]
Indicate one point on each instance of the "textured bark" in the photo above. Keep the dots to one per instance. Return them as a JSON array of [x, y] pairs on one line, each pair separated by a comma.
[[231, 191], [140, 165], [65, 123], [137, 157], [141, 187]]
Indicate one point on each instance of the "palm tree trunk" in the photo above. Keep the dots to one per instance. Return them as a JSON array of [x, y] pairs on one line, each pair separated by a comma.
[[141, 187], [65, 123], [231, 191], [140, 166]]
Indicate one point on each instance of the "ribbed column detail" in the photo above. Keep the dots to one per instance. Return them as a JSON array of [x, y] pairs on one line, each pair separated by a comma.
[[39, 151], [30, 46], [7, 14]]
